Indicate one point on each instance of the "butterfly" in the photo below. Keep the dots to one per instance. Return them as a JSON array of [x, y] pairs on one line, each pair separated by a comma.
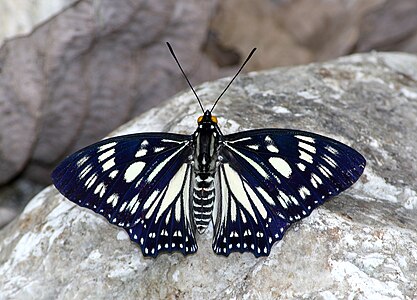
[[164, 188]]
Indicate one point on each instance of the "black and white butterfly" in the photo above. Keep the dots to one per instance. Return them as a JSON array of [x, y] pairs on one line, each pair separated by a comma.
[[163, 188]]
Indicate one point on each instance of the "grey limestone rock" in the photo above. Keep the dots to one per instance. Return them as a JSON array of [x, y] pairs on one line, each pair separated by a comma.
[[361, 244]]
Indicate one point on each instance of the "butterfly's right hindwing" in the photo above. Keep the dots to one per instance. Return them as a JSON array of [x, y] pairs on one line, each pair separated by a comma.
[[140, 182]]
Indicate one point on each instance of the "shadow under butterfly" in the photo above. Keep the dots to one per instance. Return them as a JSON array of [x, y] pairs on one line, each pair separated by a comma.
[[163, 188]]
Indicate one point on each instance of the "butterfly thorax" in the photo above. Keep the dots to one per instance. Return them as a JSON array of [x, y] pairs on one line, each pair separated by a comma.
[[206, 141]]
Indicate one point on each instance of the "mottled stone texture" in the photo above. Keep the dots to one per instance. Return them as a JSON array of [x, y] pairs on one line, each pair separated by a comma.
[[88, 70], [362, 244]]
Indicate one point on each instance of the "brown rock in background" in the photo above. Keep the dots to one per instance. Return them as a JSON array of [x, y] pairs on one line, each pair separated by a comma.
[[301, 31], [96, 65], [90, 69], [391, 26]]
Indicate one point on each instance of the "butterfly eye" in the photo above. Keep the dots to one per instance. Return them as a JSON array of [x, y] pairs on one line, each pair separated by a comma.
[[200, 118], [214, 119]]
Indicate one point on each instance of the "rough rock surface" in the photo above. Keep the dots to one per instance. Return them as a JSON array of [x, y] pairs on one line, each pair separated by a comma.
[[360, 245]]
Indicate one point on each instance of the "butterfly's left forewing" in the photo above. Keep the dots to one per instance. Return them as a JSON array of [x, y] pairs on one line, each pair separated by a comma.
[[140, 182], [270, 178]]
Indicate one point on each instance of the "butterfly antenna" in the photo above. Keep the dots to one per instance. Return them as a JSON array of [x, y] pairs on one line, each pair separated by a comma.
[[247, 59], [185, 76]]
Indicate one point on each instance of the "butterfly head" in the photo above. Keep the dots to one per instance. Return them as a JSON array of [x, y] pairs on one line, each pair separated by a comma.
[[207, 119]]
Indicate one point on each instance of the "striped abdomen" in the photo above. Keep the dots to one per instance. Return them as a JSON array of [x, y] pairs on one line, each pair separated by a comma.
[[203, 200]]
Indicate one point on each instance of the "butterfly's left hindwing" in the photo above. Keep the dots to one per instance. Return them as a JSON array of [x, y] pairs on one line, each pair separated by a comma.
[[270, 178], [140, 182]]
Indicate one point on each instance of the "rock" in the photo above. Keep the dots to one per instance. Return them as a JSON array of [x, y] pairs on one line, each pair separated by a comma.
[[88, 70], [14, 197], [390, 26], [361, 244], [297, 32], [21, 17], [7, 214]]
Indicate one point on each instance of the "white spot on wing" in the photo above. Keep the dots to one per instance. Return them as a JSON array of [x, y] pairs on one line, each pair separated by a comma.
[[313, 182], [306, 157], [330, 161], [266, 196], [258, 204], [331, 150], [132, 202], [171, 141], [168, 218], [141, 152], [305, 138], [326, 172], [108, 164], [100, 189], [90, 181], [294, 200], [186, 203], [178, 211], [316, 178], [151, 199], [85, 171], [301, 166], [133, 171], [113, 200], [233, 212], [281, 166], [106, 146], [283, 199], [240, 140], [106, 155], [82, 161], [272, 148], [122, 208], [307, 147], [135, 205], [304, 192], [113, 174]]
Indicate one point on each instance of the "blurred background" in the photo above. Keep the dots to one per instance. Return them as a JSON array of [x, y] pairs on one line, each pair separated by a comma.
[[72, 71]]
